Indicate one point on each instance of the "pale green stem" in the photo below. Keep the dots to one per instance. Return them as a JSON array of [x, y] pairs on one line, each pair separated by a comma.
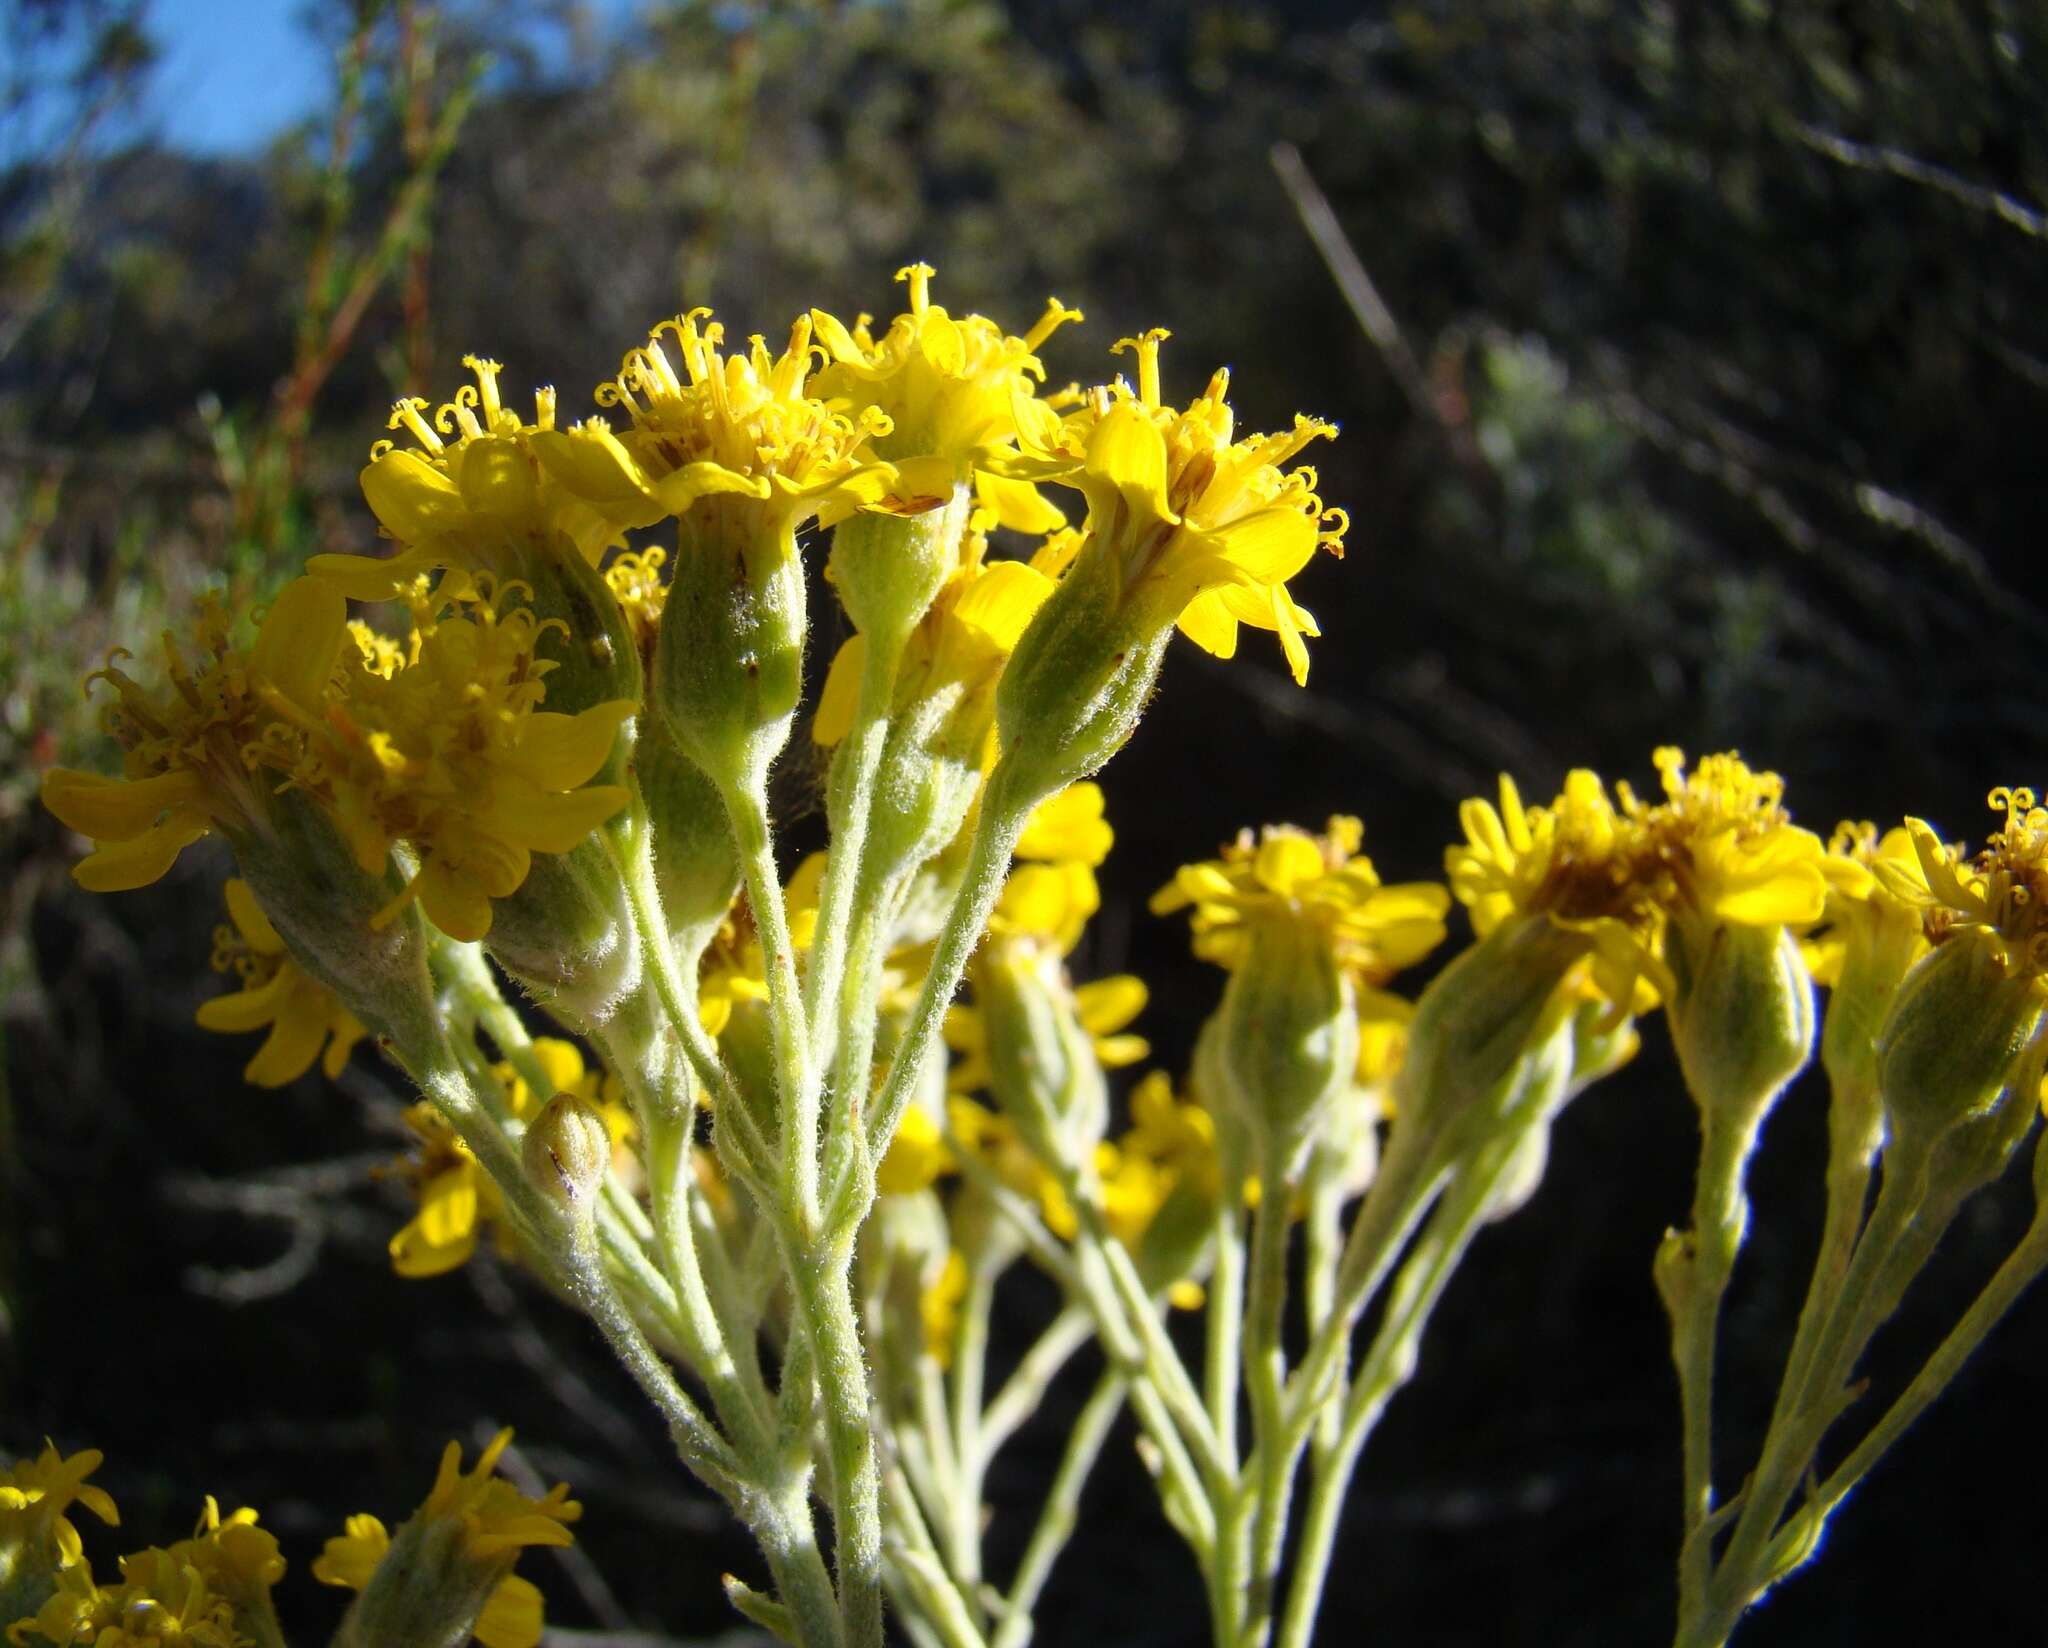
[[1062, 1503], [1324, 1243], [1274, 1455], [850, 801], [1812, 1405], [1225, 1321], [853, 1191], [825, 1307], [747, 810], [1179, 1480], [921, 1573], [1718, 1213], [1848, 1193], [1408, 1179], [1025, 1389], [970, 1367], [1163, 1365], [1001, 821], [2021, 1267], [678, 996], [1388, 1365]]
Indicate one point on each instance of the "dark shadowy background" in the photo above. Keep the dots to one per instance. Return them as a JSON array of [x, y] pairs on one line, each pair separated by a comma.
[[1699, 400]]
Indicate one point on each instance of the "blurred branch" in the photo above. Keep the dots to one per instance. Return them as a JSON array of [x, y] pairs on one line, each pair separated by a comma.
[[1870, 157]]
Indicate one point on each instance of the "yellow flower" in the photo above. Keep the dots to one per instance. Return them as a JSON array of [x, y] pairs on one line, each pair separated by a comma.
[[487, 1522], [36, 1493], [1373, 930], [635, 578], [1573, 863], [947, 390], [154, 1606], [1722, 847], [917, 1157], [739, 429], [470, 502], [451, 754], [2002, 892], [457, 1200], [939, 1308], [201, 750], [302, 1014], [494, 1516], [1861, 903], [1068, 826], [956, 651], [209, 1591], [1203, 531], [994, 1139]]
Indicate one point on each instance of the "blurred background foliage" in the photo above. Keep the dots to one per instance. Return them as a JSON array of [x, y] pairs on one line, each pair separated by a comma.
[[1691, 362]]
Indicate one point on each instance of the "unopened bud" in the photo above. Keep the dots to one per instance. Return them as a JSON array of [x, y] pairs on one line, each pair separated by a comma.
[[1078, 681], [1955, 1038], [887, 568], [728, 662], [1287, 1038], [567, 1152], [566, 934], [1742, 1016]]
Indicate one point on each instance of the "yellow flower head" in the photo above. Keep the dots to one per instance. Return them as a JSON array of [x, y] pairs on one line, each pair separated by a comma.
[[470, 489], [635, 578], [939, 1308], [947, 389], [1861, 902], [494, 1516], [35, 1495], [2002, 892], [458, 1199], [952, 657], [1284, 873], [204, 748], [995, 1141], [301, 1013], [1573, 862], [451, 755], [740, 428], [156, 1605], [492, 1522], [208, 1591], [1203, 530], [917, 1157], [1721, 846]]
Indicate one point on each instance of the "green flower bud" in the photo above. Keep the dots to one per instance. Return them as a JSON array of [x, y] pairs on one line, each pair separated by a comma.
[[1043, 1072], [1287, 1039], [567, 935], [728, 662], [1475, 1023], [325, 908], [567, 1151], [887, 568], [1742, 1015], [1955, 1038], [1078, 681], [696, 867]]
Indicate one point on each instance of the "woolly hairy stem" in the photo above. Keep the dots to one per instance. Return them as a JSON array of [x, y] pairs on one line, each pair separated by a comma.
[[746, 808], [820, 1284], [849, 810], [1002, 820], [1266, 1370]]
